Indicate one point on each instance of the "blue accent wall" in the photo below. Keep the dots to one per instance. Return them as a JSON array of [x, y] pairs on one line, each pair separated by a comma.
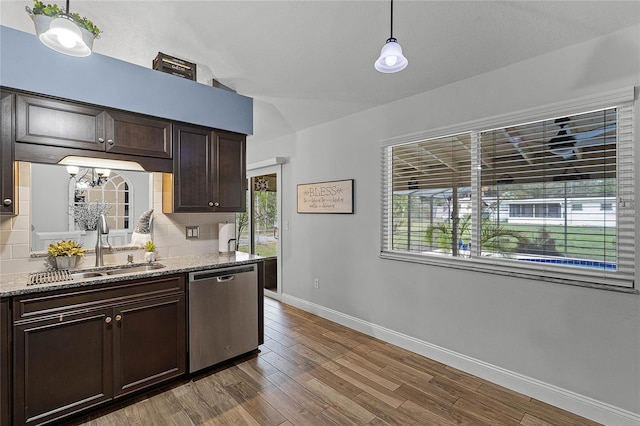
[[27, 64]]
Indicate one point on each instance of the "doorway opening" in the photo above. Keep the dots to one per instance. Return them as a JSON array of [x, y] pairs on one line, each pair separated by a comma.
[[258, 228]]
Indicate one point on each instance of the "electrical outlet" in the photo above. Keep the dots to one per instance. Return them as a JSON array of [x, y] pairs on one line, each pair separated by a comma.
[[316, 283], [192, 232]]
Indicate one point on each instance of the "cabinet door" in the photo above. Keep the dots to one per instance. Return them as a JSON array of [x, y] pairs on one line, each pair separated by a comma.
[[150, 343], [62, 365], [58, 123], [230, 175], [8, 168], [5, 363], [135, 135], [192, 163]]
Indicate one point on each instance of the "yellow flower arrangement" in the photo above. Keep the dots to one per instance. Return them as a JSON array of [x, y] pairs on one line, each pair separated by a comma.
[[150, 246], [65, 248]]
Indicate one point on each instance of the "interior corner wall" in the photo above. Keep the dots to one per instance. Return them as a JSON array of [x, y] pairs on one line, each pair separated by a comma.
[[581, 340]]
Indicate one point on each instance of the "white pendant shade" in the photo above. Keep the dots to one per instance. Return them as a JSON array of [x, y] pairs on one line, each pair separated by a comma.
[[64, 36], [391, 58]]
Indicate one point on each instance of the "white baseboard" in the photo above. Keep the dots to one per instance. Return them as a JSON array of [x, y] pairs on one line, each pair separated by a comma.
[[567, 400]]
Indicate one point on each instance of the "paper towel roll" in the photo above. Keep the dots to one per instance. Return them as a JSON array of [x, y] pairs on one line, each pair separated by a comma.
[[226, 232]]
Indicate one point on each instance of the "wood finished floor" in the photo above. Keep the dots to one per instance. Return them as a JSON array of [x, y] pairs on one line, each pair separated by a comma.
[[311, 371]]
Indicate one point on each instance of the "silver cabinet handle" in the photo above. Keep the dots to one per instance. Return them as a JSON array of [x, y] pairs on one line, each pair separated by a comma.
[[7, 202], [210, 203], [225, 279], [107, 320], [101, 140], [110, 142], [216, 204], [118, 318]]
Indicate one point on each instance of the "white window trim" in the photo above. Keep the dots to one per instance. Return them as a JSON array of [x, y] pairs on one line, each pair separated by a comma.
[[542, 272]]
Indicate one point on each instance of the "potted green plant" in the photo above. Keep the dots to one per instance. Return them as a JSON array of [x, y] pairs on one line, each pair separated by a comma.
[[150, 251], [42, 15], [65, 253]]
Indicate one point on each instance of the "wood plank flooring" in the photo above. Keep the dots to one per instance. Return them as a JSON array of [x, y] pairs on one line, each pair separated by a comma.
[[311, 371]]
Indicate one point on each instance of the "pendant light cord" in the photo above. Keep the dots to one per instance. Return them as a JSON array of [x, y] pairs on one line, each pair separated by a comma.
[[391, 35]]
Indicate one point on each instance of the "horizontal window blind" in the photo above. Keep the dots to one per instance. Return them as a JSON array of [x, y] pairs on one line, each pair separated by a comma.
[[552, 197], [531, 176], [428, 182]]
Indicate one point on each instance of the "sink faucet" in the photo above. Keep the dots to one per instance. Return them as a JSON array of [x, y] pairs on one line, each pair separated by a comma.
[[229, 245], [103, 229]]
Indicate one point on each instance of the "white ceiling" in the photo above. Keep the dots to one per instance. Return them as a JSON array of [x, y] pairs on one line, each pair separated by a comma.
[[306, 62]]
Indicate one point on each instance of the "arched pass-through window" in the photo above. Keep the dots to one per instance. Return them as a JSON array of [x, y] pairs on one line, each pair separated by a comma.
[[96, 191]]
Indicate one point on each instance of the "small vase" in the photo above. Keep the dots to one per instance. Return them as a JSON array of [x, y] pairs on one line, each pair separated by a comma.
[[150, 256], [66, 262]]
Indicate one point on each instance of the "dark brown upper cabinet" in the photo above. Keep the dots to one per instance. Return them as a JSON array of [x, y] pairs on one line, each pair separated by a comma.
[[230, 171], [135, 135], [8, 167], [67, 124], [209, 171]]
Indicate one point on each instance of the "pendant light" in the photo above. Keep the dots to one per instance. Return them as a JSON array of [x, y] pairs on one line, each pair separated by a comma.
[[63, 35], [391, 58]]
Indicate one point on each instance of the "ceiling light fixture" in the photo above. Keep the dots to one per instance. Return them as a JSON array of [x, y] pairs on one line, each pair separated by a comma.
[[62, 33], [85, 181], [391, 58]]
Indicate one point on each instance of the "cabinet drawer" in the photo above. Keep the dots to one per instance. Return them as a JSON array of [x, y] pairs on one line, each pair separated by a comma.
[[52, 303]]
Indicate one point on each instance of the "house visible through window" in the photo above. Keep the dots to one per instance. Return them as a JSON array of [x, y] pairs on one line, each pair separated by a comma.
[[535, 210], [606, 206], [521, 196]]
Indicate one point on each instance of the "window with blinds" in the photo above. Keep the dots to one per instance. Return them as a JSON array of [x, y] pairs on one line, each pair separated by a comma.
[[550, 198]]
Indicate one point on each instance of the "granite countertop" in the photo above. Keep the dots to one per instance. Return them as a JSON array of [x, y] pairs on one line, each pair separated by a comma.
[[17, 284]]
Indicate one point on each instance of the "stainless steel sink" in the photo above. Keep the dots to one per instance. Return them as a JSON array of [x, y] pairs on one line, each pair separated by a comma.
[[83, 275], [132, 269], [115, 270]]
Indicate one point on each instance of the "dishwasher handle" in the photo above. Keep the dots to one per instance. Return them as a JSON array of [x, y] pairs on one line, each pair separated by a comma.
[[225, 278], [222, 273]]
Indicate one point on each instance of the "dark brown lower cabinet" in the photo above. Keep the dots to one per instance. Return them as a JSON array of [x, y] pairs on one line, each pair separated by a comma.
[[150, 344], [5, 364], [62, 365], [99, 345]]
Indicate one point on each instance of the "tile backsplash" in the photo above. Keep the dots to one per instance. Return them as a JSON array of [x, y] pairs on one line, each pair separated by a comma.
[[168, 232]]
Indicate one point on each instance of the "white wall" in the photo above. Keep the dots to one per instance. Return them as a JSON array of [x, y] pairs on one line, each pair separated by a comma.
[[584, 343]]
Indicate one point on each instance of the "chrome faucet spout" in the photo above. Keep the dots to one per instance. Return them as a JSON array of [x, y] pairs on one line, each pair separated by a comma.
[[229, 245], [102, 229]]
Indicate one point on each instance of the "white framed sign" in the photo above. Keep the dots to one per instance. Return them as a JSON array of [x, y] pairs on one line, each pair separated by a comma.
[[326, 197]]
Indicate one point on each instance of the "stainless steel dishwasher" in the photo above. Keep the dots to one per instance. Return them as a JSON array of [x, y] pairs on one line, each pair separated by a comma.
[[223, 314]]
